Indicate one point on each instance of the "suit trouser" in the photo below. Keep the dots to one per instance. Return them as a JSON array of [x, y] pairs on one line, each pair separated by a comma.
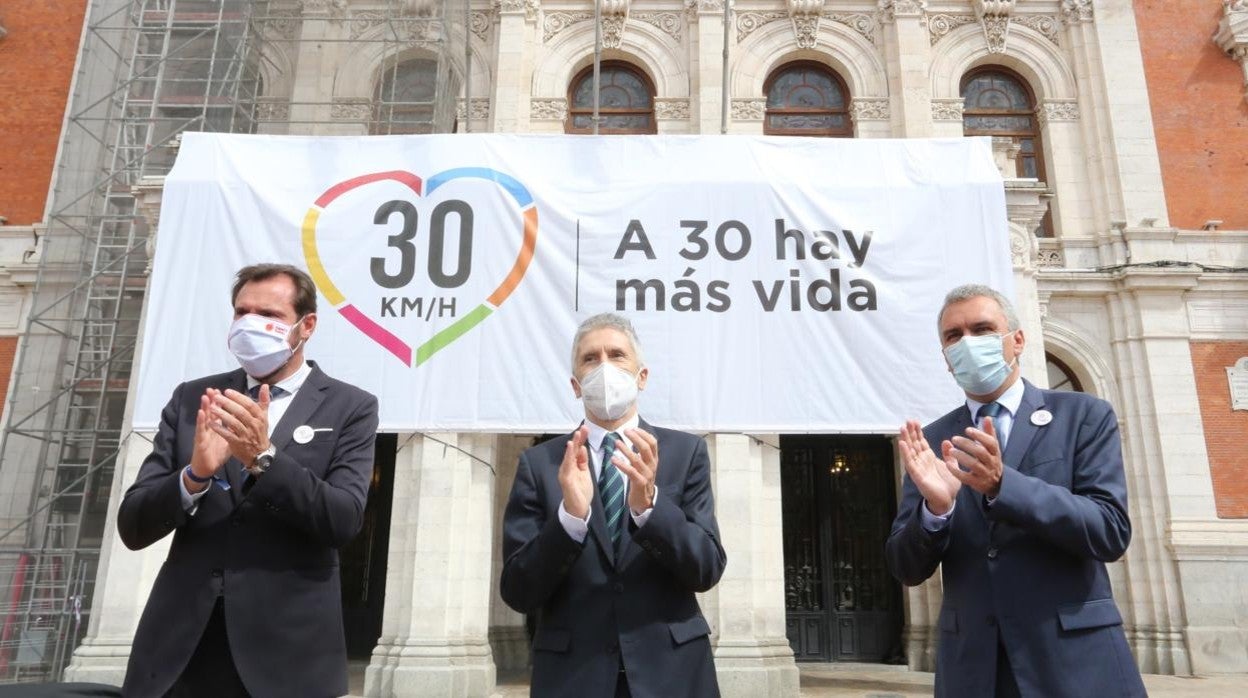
[[211, 672]]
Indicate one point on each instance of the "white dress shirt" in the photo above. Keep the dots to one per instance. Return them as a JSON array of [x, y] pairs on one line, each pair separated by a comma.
[[578, 528], [1010, 401], [277, 408]]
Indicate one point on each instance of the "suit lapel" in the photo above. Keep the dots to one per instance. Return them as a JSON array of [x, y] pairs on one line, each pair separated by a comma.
[[303, 405], [1022, 431]]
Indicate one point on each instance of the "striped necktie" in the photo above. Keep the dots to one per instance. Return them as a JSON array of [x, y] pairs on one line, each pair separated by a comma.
[[611, 488]]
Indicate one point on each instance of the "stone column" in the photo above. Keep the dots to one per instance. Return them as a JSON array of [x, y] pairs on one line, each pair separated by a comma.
[[513, 62], [746, 609], [125, 577], [317, 51], [508, 638], [706, 62], [123, 582], [434, 631], [1167, 474], [908, 52]]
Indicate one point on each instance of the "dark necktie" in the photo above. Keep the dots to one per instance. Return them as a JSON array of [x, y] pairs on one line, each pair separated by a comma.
[[274, 392], [611, 488]]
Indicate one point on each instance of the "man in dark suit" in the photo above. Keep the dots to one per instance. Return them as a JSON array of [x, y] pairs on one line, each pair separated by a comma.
[[259, 492], [1023, 507], [608, 534]]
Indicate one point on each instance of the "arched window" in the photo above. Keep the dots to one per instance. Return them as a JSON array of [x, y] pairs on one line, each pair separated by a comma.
[[625, 100], [1061, 377], [405, 98], [806, 99], [998, 103]]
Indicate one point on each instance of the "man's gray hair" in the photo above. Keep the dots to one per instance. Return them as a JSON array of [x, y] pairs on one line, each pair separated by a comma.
[[966, 292], [613, 321]]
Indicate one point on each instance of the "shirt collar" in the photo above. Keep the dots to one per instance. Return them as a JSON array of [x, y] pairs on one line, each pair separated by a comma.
[[292, 383], [596, 433], [1011, 399]]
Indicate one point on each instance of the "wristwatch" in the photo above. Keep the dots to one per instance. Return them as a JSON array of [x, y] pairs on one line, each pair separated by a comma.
[[260, 464]]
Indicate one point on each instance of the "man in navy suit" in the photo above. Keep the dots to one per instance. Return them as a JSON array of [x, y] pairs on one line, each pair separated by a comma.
[[608, 533], [261, 474], [1023, 507]]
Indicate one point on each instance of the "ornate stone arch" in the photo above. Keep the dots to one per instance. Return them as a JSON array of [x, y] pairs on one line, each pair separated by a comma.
[[644, 46], [356, 76], [842, 49], [275, 69], [1070, 344], [1027, 53]]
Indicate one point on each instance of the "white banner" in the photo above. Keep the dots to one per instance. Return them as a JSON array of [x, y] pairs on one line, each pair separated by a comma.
[[777, 284]]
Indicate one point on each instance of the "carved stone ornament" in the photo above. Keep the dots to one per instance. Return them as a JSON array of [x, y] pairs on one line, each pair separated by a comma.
[[481, 24], [890, 10], [548, 109], [351, 109], [748, 109], [1074, 11], [1043, 24], [1023, 247], [947, 109], [695, 7], [480, 109], [334, 9], [860, 22], [939, 26], [413, 29], [806, 30], [271, 110], [671, 109], [556, 22], [1050, 258], [869, 110], [994, 16], [748, 22], [281, 25], [1055, 110], [511, 7], [1232, 34], [668, 22], [612, 31]]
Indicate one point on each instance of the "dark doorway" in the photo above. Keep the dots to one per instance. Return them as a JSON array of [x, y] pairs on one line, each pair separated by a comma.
[[839, 497], [362, 562]]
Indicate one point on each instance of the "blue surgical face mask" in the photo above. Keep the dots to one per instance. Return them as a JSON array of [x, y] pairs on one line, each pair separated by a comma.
[[978, 363]]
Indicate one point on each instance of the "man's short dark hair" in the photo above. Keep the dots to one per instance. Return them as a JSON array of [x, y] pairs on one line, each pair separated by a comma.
[[305, 290]]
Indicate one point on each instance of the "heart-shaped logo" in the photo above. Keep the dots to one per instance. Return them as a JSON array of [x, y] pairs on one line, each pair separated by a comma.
[[388, 340]]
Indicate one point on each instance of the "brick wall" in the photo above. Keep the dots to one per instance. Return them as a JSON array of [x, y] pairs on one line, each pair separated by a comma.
[[36, 65], [1199, 113], [1226, 432], [8, 349]]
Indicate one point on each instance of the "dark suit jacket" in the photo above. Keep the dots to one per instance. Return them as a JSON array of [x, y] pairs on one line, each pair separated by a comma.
[[1030, 569], [270, 552], [597, 607]]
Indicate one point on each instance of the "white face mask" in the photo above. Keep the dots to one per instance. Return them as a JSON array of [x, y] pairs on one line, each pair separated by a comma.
[[978, 363], [260, 344], [608, 392]]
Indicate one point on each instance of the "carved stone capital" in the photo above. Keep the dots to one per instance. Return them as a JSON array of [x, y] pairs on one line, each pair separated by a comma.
[[693, 8], [528, 8], [865, 109], [548, 109], [890, 10], [351, 109], [478, 111], [947, 109], [1057, 110], [272, 109], [333, 9], [1232, 34], [671, 108], [1076, 11], [748, 109]]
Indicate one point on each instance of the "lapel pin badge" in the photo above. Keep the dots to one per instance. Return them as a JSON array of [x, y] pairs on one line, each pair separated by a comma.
[[1041, 417], [304, 434]]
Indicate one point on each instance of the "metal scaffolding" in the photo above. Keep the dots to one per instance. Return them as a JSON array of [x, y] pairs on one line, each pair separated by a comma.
[[148, 71]]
